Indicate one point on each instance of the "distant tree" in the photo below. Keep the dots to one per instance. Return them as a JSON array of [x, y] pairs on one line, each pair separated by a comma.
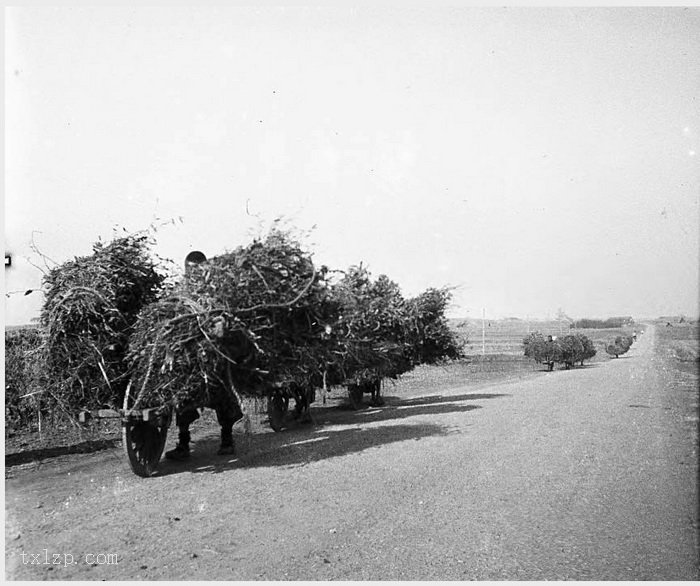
[[611, 322], [619, 346]]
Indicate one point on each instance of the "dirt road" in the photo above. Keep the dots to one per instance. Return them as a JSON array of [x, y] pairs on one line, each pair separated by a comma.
[[589, 474]]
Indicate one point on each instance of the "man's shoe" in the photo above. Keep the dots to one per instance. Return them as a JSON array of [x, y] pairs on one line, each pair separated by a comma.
[[179, 454], [226, 451]]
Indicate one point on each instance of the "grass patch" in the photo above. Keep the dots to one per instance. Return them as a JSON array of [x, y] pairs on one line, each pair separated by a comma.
[[680, 344]]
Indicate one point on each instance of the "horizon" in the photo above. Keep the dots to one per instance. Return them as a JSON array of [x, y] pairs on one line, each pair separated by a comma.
[[528, 319]]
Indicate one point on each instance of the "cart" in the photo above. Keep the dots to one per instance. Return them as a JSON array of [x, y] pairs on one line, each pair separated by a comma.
[[144, 432], [278, 403], [357, 390]]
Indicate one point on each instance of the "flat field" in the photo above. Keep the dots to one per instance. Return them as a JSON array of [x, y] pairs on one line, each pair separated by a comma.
[[679, 343], [505, 337]]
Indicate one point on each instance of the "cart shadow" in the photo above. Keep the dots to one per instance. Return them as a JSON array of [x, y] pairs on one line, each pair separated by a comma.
[[299, 448], [572, 369], [302, 444], [397, 408], [85, 447]]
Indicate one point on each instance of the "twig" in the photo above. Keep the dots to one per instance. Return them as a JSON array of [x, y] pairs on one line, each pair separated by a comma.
[[280, 305]]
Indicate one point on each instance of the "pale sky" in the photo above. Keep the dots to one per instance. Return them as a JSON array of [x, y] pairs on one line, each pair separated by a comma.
[[535, 158]]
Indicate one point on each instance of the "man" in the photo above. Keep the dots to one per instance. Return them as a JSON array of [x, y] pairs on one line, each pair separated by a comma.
[[220, 398], [228, 411]]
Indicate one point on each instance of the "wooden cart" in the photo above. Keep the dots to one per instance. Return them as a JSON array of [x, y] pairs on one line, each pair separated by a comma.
[[144, 432]]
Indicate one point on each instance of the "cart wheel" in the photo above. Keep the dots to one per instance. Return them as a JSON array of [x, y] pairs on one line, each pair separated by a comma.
[[144, 443], [277, 406], [355, 395]]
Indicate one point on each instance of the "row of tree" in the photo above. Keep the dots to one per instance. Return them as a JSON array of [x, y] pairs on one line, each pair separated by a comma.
[[601, 324], [567, 350]]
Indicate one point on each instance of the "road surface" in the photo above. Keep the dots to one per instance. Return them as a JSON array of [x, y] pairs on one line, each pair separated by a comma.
[[588, 474]]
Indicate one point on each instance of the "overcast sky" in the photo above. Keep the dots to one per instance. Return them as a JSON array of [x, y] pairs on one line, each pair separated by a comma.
[[535, 158]]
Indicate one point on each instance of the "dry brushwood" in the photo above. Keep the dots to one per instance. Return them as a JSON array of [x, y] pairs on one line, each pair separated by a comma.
[[432, 340], [90, 305], [263, 316], [256, 317], [380, 334], [369, 338]]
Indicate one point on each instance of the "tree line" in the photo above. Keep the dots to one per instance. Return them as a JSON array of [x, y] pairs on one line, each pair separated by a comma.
[[602, 324]]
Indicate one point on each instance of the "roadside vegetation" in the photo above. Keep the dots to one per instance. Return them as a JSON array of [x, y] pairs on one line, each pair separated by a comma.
[[679, 342], [602, 324]]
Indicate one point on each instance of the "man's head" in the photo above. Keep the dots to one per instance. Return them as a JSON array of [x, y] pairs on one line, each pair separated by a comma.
[[194, 258]]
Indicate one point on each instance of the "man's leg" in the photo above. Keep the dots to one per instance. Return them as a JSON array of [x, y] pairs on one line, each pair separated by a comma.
[[228, 411], [183, 420]]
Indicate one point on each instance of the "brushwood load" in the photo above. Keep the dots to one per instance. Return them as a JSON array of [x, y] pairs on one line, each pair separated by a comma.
[[370, 335], [253, 319], [262, 320], [380, 334], [91, 305], [264, 317]]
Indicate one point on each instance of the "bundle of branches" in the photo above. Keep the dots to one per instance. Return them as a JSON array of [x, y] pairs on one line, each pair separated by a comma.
[[90, 305], [371, 338], [22, 375], [380, 334], [620, 345], [255, 318], [432, 339], [543, 350]]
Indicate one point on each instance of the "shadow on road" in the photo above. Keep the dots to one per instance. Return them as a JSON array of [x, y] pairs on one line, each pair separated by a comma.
[[43, 453], [575, 368], [397, 408], [302, 444], [299, 443], [296, 448]]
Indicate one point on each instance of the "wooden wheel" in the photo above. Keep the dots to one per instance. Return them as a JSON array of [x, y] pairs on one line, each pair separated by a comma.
[[277, 406], [144, 441], [355, 395]]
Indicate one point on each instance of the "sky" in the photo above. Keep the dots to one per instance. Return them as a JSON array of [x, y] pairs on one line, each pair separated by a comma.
[[534, 159]]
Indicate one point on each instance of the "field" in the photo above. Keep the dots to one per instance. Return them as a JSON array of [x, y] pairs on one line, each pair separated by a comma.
[[679, 344], [504, 338]]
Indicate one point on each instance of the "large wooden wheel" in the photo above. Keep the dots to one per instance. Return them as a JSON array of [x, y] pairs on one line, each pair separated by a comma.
[[143, 437], [277, 406]]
